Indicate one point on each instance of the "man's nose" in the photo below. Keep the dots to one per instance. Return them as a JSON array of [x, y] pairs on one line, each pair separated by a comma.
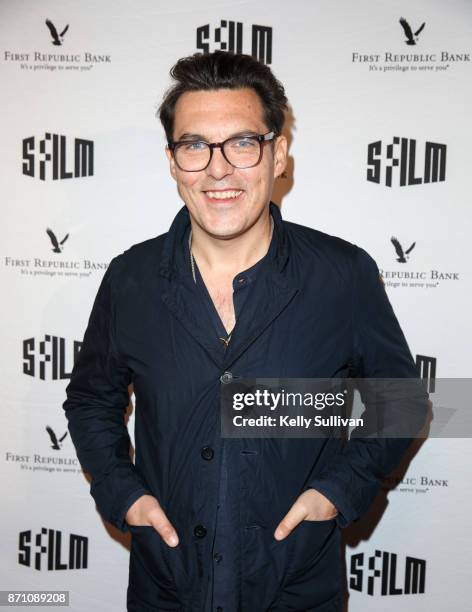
[[218, 166]]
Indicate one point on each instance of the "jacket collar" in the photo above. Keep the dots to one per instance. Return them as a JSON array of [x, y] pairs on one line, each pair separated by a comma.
[[175, 257], [269, 296]]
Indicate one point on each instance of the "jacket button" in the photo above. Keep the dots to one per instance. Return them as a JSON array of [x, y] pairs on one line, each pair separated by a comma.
[[207, 453], [226, 377], [199, 531]]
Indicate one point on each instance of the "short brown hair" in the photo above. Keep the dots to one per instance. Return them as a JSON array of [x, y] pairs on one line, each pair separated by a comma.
[[224, 70]]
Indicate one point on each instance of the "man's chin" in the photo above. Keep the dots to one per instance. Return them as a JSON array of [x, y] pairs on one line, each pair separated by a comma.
[[226, 233], [220, 225]]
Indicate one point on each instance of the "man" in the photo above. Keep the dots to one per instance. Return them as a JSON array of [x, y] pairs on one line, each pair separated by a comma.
[[230, 291]]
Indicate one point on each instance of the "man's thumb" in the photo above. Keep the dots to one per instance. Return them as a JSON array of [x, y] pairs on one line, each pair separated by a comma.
[[166, 530], [293, 517]]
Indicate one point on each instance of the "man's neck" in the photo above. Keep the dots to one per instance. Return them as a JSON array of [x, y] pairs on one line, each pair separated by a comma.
[[228, 257]]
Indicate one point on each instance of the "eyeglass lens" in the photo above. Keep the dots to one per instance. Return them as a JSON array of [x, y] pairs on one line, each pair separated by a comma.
[[239, 152]]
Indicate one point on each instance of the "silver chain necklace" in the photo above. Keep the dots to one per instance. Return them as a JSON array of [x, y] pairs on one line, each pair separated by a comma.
[[192, 260]]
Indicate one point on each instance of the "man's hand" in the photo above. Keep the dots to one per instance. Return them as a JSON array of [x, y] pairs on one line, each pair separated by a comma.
[[311, 505], [146, 511]]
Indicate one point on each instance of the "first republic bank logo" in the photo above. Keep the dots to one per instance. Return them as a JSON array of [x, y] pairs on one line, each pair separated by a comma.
[[411, 37], [428, 59], [383, 568], [57, 38], [54, 59], [50, 157], [56, 443], [57, 247], [229, 37]]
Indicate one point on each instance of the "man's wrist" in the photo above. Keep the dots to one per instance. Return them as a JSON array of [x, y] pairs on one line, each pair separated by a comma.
[[121, 522]]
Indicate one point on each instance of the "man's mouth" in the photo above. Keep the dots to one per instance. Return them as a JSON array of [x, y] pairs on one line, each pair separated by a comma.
[[227, 194]]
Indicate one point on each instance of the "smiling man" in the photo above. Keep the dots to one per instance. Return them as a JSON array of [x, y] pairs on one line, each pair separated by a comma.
[[231, 290]]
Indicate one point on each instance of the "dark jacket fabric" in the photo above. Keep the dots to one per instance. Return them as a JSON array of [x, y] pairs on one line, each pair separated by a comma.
[[315, 308]]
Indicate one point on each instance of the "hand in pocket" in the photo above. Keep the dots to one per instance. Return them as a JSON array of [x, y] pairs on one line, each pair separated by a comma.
[[147, 512]]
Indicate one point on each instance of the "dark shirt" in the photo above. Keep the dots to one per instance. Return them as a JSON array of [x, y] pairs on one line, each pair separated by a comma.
[[222, 587]]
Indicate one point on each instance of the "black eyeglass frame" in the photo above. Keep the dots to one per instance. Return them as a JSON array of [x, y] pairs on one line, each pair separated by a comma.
[[260, 138]]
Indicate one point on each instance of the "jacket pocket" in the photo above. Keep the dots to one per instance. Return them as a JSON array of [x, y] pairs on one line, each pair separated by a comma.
[[312, 541], [313, 571], [150, 576]]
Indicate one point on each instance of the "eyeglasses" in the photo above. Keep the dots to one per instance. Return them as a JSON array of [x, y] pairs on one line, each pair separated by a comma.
[[239, 151]]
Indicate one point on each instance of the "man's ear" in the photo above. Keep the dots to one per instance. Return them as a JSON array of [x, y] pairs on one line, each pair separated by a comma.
[[172, 166], [280, 155]]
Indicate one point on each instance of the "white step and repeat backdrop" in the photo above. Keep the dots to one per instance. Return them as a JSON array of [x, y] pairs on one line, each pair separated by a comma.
[[380, 155]]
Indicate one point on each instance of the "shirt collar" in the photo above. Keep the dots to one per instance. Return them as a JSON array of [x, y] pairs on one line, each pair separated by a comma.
[[175, 258]]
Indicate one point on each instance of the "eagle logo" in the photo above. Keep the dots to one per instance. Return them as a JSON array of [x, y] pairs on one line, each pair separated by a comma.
[[57, 39], [411, 39], [57, 246], [402, 256], [56, 444]]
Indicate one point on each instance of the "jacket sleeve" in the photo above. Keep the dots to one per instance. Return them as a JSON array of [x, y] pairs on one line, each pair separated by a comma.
[[97, 399], [352, 479]]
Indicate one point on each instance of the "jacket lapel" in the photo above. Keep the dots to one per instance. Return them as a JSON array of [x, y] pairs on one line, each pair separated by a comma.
[[180, 301], [270, 295]]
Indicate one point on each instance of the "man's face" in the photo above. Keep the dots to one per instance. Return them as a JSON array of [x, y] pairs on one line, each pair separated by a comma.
[[225, 201]]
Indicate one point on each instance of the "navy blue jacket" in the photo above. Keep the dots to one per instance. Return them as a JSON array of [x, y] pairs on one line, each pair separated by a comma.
[[316, 309]]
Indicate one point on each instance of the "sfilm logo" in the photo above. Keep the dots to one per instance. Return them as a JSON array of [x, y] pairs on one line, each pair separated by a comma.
[[382, 567], [426, 367], [44, 550], [401, 153], [229, 37], [48, 356], [53, 152]]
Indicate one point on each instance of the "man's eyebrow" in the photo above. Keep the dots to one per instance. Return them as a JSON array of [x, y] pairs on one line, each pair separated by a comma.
[[189, 136]]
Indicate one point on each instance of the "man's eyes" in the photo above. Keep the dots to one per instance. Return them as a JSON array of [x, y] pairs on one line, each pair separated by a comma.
[[236, 143], [243, 143], [195, 146]]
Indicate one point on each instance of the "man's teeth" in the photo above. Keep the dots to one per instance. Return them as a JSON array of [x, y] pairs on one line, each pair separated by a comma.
[[223, 195]]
